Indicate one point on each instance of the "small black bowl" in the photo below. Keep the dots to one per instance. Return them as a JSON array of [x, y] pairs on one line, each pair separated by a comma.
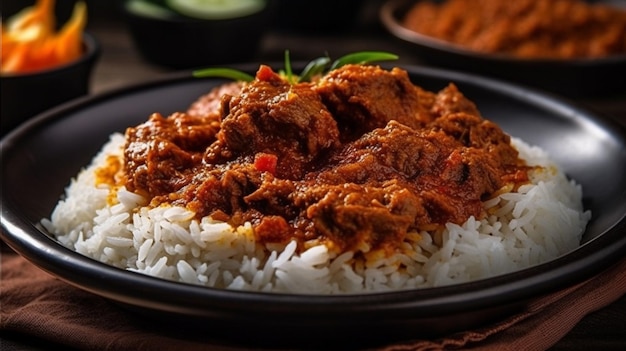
[[180, 42], [568, 77], [25, 95]]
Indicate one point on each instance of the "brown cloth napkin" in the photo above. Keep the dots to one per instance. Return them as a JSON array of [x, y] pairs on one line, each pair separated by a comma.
[[36, 305]]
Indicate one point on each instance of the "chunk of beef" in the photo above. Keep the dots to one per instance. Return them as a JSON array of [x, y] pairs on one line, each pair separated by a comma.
[[272, 116], [451, 100], [363, 98], [361, 217], [472, 131], [160, 152]]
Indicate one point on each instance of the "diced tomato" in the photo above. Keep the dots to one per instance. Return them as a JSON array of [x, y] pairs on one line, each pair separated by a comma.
[[264, 73], [265, 162]]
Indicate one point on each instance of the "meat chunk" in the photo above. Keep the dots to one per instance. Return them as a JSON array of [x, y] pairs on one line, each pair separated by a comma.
[[361, 217], [159, 153], [272, 116], [362, 98], [451, 100]]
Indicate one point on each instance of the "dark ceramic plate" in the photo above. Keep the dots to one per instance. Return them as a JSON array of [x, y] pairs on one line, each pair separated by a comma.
[[40, 157], [569, 77]]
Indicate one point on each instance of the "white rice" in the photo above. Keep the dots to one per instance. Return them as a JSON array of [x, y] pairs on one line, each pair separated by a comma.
[[538, 223]]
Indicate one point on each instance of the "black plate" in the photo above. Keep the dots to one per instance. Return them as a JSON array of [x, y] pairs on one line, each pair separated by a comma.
[[40, 157], [568, 77]]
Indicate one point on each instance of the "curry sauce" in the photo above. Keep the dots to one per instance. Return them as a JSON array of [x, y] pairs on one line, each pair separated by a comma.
[[553, 29], [357, 159]]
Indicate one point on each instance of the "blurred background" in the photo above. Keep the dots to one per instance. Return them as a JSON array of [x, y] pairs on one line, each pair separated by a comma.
[[308, 29]]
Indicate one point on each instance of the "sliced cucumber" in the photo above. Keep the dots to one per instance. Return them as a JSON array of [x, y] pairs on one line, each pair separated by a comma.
[[149, 9], [216, 9]]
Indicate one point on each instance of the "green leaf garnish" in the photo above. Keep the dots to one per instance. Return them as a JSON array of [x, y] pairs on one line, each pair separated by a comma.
[[363, 57], [288, 71], [313, 68], [319, 66], [223, 73]]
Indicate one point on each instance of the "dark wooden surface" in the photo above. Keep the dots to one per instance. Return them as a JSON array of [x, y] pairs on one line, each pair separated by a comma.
[[121, 65]]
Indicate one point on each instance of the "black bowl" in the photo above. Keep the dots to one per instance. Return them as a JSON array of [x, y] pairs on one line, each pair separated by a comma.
[[25, 95], [569, 77], [317, 16], [40, 157], [181, 42]]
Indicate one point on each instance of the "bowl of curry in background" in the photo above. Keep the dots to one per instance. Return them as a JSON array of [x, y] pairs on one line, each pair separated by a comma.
[[572, 48], [33, 82]]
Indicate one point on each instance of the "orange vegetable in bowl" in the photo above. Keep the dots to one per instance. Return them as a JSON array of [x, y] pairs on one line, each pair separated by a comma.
[[31, 43]]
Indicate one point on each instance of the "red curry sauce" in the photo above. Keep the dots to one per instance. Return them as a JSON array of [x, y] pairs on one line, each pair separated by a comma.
[[524, 28], [356, 159]]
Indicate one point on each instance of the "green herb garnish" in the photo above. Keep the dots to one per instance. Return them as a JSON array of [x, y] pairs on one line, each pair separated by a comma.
[[363, 57], [313, 68], [319, 66], [223, 73], [289, 72]]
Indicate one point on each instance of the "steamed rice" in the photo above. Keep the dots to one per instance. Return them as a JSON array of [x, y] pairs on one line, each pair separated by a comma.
[[535, 224]]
